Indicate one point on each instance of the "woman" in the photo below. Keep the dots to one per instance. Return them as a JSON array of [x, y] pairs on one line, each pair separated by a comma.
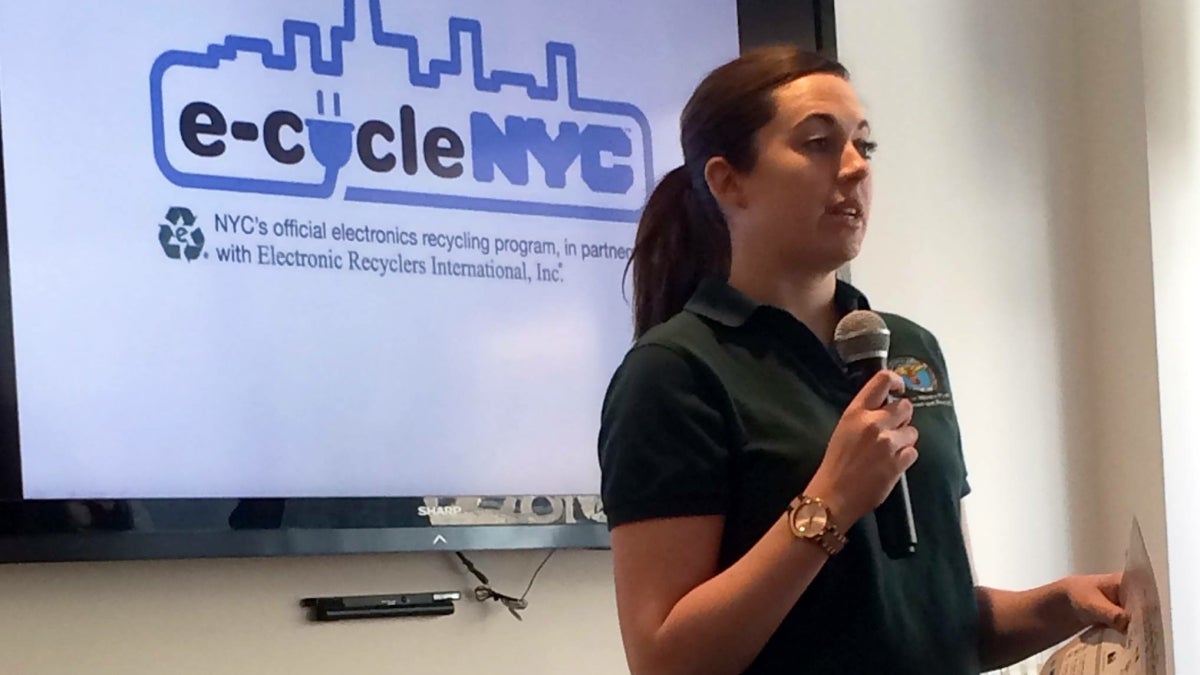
[[740, 467]]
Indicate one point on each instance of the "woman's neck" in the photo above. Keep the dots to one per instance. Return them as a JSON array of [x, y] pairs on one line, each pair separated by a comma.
[[808, 297]]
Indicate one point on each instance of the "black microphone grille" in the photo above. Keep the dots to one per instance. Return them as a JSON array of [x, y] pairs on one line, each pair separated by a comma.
[[862, 334]]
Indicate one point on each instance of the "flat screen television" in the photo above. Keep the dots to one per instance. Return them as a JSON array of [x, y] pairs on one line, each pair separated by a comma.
[[336, 276]]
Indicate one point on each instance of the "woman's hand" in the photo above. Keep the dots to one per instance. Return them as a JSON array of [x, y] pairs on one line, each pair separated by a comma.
[[1015, 625], [871, 447], [1094, 599]]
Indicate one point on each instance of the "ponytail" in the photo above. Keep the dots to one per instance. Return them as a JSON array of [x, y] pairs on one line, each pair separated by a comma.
[[681, 239]]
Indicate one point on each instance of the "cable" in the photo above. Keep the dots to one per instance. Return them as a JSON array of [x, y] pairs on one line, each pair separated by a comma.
[[472, 568], [536, 573], [485, 592]]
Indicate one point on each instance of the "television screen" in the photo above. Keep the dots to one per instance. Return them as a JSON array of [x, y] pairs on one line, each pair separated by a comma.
[[339, 275]]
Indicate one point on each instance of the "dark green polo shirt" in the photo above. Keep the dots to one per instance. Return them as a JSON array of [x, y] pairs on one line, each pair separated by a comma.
[[727, 409]]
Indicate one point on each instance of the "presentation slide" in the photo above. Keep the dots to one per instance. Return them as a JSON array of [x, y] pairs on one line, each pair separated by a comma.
[[330, 248]]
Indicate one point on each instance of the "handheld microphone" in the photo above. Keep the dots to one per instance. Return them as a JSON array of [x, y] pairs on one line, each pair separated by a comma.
[[862, 340]]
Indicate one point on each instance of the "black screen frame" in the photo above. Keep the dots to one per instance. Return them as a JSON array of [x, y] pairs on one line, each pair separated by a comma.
[[78, 530]]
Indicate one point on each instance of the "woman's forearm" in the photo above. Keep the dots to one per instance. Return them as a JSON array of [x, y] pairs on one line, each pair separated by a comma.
[[720, 626], [1015, 625]]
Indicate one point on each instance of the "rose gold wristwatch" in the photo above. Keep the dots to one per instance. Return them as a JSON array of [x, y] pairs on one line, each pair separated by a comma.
[[810, 519]]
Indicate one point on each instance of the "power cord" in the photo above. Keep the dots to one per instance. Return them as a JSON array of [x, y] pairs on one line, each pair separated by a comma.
[[485, 592]]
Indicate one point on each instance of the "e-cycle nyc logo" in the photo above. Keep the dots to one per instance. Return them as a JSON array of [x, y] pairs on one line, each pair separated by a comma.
[[372, 118]]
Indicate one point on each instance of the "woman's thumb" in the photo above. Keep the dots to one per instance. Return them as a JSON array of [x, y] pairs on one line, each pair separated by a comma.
[[1119, 619]]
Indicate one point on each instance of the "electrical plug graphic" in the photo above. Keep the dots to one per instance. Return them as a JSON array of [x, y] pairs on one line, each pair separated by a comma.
[[332, 142]]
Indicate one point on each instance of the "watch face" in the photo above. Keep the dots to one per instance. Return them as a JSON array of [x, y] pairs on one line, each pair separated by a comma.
[[810, 519]]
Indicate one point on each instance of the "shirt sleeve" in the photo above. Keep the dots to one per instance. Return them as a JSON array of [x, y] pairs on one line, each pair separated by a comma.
[[664, 442], [966, 483]]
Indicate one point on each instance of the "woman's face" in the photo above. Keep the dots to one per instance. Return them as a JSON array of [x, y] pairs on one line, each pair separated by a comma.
[[807, 199]]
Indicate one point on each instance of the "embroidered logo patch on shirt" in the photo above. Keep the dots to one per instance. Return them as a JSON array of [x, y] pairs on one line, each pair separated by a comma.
[[921, 383]]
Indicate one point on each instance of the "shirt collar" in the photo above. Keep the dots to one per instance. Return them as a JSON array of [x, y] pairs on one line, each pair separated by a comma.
[[715, 299]]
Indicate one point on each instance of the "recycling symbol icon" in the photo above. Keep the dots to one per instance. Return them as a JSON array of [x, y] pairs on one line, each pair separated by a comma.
[[182, 238]]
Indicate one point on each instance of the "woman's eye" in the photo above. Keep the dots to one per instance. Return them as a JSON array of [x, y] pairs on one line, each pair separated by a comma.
[[828, 144], [823, 144]]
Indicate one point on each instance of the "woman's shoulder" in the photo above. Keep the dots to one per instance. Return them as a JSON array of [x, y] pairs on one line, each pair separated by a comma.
[[906, 327], [679, 350], [684, 333], [912, 344]]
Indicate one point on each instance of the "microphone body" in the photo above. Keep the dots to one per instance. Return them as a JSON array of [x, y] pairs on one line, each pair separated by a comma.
[[862, 340], [897, 527]]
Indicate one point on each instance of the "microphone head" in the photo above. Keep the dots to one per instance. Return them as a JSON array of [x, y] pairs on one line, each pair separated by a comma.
[[862, 334]]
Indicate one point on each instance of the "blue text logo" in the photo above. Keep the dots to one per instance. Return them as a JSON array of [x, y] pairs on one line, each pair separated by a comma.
[[371, 121]]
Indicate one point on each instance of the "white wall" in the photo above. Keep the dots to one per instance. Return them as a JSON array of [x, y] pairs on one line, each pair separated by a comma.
[[1171, 53], [1013, 219], [1009, 189], [971, 235], [1114, 245], [236, 617], [1125, 457]]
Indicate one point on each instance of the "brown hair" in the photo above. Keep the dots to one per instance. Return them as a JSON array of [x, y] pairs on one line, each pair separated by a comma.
[[682, 236]]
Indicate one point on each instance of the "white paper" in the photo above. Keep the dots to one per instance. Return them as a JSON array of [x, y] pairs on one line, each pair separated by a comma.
[[1103, 651], [1098, 651]]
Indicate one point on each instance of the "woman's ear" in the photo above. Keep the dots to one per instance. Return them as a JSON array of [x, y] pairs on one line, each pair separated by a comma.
[[725, 184]]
